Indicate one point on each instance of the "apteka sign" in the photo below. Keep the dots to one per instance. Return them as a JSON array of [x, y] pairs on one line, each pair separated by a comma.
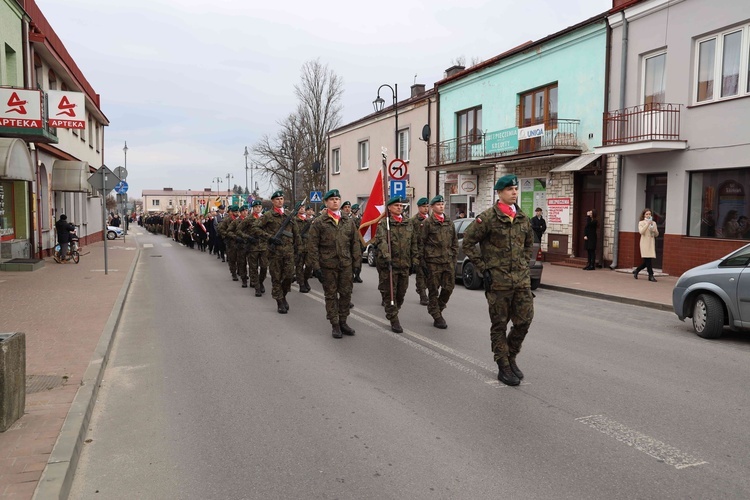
[[67, 109], [20, 108]]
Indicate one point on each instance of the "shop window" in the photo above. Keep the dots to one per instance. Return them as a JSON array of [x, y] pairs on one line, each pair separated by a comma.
[[719, 204], [7, 231]]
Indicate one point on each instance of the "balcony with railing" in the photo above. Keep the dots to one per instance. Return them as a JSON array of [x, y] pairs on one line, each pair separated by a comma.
[[646, 128], [460, 151]]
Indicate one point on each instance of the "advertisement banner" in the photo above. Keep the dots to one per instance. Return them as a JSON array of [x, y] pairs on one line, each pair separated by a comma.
[[67, 109], [20, 108]]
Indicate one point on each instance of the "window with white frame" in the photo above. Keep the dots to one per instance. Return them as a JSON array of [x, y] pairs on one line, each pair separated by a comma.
[[154, 203], [654, 79], [722, 65], [336, 161], [363, 155], [403, 144]]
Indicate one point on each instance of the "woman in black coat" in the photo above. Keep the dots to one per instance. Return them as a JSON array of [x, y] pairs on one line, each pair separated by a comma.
[[589, 238]]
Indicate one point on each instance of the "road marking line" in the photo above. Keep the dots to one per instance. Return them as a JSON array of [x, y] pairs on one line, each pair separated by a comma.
[[102, 270], [148, 245], [166, 244], [380, 324], [641, 442]]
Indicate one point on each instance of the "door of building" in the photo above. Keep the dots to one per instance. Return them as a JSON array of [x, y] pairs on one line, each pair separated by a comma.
[[589, 198], [656, 200]]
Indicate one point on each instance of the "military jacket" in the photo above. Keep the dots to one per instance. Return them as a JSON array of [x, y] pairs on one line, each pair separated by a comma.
[[223, 228], [304, 232], [504, 249], [439, 241], [267, 226], [404, 251], [245, 231], [331, 245], [232, 231]]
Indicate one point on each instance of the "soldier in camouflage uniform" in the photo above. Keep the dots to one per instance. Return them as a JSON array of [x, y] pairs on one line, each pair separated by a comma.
[[333, 252], [400, 258], [505, 240], [229, 241], [240, 245], [439, 252], [346, 209], [302, 271], [280, 249], [256, 249], [220, 246], [423, 211]]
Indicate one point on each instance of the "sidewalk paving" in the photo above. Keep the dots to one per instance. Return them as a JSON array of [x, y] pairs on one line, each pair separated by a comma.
[[69, 313]]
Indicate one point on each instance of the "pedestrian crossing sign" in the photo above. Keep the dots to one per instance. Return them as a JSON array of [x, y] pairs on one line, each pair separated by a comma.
[[316, 196]]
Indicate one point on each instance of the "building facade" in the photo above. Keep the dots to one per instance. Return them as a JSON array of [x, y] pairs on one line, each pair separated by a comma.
[[177, 201], [676, 130]]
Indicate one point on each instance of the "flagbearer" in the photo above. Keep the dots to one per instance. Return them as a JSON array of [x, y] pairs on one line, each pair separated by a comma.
[[333, 252], [423, 211], [439, 253], [397, 259], [280, 249]]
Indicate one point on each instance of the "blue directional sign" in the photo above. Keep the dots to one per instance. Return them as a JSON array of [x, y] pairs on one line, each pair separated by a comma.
[[121, 187], [316, 196], [398, 188]]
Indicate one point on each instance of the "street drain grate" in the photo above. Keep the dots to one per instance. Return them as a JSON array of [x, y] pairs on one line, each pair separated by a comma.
[[39, 383]]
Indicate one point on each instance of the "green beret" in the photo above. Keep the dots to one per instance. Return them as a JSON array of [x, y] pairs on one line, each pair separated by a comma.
[[277, 194], [347, 203], [331, 194], [234, 208], [355, 206], [243, 207], [395, 199], [257, 203], [506, 181], [422, 202], [437, 199]]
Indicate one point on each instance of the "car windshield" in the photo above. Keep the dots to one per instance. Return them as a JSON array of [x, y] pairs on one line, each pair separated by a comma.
[[740, 258]]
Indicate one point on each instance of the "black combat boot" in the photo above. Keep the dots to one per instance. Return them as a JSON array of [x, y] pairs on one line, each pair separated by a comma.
[[280, 307], [514, 367], [286, 304], [440, 322], [258, 293], [346, 329], [336, 332], [505, 374], [235, 277], [651, 278], [303, 288], [262, 288], [423, 300], [396, 326], [244, 283]]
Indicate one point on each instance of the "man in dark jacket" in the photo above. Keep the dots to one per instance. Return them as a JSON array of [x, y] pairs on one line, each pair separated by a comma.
[[538, 224], [63, 228]]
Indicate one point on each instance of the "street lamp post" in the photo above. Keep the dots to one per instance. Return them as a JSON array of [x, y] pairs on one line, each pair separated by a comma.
[[229, 177], [378, 104], [125, 208], [217, 180], [246, 169]]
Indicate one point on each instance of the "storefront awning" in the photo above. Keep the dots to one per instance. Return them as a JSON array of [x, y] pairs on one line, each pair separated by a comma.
[[15, 160], [71, 176], [577, 164]]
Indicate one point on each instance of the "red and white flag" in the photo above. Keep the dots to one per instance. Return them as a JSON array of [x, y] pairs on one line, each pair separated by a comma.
[[374, 211]]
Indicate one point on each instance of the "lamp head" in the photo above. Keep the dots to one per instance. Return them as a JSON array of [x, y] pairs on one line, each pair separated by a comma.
[[378, 103]]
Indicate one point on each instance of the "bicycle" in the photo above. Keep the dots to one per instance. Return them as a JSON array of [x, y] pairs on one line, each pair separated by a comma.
[[73, 249]]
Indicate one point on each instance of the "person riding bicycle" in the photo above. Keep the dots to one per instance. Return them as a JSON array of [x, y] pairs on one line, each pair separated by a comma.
[[63, 228]]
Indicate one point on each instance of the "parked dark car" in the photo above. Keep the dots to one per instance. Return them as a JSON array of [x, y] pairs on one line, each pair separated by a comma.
[[467, 274], [716, 295]]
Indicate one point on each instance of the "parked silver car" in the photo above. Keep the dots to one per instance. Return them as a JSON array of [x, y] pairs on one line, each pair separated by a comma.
[[467, 274], [716, 295]]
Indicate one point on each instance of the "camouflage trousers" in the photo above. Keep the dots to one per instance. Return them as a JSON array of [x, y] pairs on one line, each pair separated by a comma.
[[400, 285], [441, 279], [281, 268], [237, 260], [420, 281], [257, 262], [509, 305], [301, 271], [337, 288]]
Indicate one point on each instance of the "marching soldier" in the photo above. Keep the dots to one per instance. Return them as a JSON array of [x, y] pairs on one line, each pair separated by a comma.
[[439, 252], [240, 245], [356, 215], [280, 250], [346, 209], [505, 244], [302, 271], [219, 245], [229, 240], [423, 207], [334, 251], [397, 259], [256, 249]]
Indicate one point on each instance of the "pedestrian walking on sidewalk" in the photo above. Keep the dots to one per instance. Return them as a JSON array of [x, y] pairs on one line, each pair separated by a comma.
[[63, 228], [505, 240], [649, 232], [589, 237]]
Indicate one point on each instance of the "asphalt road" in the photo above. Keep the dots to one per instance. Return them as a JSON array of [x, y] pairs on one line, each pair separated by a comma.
[[210, 393]]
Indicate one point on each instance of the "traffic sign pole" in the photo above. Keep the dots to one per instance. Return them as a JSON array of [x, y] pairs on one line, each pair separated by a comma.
[[104, 219]]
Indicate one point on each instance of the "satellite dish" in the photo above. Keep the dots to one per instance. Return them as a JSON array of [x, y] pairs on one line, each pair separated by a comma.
[[426, 132], [316, 166]]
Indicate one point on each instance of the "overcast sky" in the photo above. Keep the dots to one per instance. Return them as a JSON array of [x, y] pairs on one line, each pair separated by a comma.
[[189, 83]]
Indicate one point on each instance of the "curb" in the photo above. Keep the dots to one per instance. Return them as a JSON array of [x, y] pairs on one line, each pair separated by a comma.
[[611, 298], [57, 477]]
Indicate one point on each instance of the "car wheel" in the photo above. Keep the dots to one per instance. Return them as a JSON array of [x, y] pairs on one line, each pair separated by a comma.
[[111, 235], [708, 316], [535, 284], [371, 257], [470, 278]]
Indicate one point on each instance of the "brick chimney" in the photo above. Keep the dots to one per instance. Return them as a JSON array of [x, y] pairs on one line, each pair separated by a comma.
[[417, 89], [453, 70]]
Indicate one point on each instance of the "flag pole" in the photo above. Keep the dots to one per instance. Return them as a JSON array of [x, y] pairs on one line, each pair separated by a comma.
[[387, 224]]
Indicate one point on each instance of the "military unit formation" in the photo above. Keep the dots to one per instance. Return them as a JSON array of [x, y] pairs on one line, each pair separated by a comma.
[[298, 244]]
